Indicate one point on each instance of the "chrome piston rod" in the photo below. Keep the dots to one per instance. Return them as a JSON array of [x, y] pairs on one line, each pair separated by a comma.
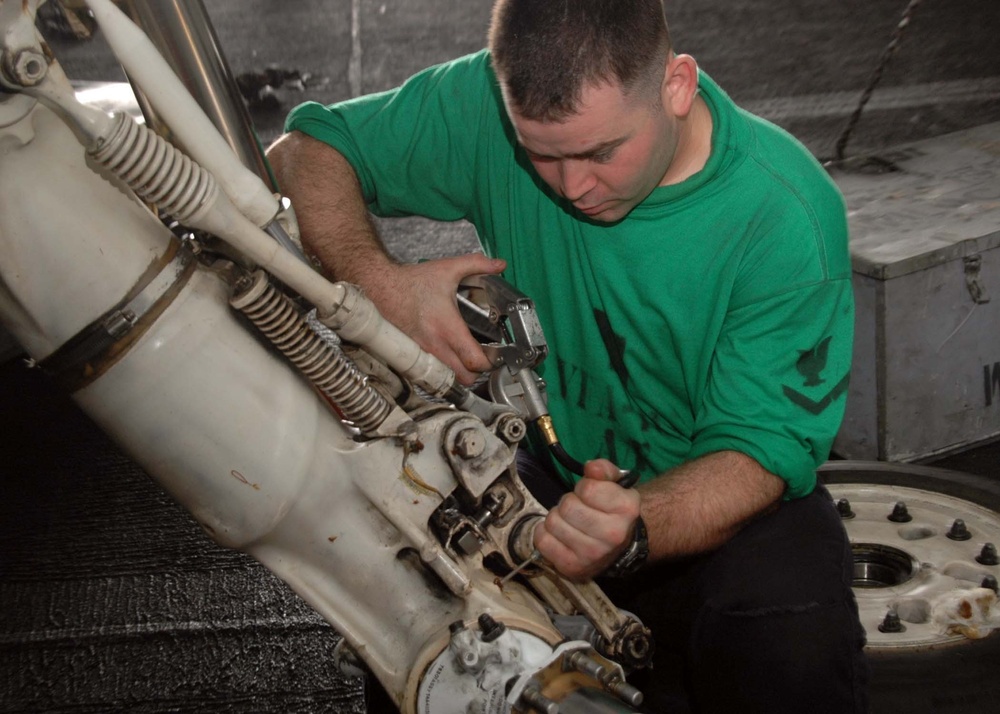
[[183, 33]]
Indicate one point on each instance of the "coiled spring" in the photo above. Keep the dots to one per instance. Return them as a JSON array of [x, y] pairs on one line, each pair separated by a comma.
[[321, 362], [153, 168]]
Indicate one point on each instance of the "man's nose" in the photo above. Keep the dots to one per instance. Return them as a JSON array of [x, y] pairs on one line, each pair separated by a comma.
[[576, 178]]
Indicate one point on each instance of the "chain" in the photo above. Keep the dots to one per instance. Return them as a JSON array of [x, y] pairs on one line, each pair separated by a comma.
[[887, 54]]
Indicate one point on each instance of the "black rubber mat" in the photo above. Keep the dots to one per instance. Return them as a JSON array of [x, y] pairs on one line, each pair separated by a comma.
[[113, 599]]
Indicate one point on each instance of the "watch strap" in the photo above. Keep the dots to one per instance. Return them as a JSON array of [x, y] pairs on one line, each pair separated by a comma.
[[634, 556]]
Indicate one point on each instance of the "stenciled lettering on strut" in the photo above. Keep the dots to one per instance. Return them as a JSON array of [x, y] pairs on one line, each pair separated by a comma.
[[810, 365], [991, 382]]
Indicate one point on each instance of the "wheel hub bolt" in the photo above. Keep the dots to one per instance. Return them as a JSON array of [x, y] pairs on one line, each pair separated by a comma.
[[988, 555], [900, 513], [844, 508], [891, 623], [959, 531], [990, 582]]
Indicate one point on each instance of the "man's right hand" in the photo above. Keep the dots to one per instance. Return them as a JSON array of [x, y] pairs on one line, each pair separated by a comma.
[[333, 218], [420, 299], [591, 525]]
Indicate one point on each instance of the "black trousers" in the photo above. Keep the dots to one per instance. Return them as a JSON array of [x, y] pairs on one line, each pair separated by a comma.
[[766, 623]]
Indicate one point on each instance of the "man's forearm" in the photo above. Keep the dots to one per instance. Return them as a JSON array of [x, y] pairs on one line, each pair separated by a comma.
[[333, 219], [699, 505], [337, 229]]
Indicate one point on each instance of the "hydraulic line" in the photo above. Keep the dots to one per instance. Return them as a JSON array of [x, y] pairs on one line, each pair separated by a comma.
[[321, 362], [628, 478], [548, 431]]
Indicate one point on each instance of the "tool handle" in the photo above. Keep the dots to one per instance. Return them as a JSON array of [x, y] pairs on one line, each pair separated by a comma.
[[629, 478]]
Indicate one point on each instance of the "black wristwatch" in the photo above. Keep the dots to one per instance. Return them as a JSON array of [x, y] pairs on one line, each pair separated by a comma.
[[634, 557]]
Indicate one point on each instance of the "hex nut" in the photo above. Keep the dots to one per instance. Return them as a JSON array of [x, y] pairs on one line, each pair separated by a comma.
[[28, 68], [470, 443], [511, 429]]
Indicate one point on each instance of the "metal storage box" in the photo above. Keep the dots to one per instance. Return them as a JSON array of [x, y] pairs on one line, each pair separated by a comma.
[[925, 250]]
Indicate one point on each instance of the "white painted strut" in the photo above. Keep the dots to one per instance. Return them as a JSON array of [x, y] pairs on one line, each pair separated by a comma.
[[172, 102]]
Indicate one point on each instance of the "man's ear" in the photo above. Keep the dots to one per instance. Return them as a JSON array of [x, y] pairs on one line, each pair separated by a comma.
[[680, 84]]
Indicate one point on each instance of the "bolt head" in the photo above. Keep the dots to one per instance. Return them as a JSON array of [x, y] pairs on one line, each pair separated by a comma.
[[28, 67], [491, 629], [988, 555], [470, 443], [891, 623], [900, 513], [959, 531], [456, 627]]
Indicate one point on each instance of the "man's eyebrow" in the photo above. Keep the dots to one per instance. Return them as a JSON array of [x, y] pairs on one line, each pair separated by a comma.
[[601, 148]]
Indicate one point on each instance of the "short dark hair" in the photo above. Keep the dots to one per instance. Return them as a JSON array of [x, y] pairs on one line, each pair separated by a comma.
[[546, 51]]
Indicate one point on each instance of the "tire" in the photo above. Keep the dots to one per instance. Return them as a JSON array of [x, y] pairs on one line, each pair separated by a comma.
[[951, 676]]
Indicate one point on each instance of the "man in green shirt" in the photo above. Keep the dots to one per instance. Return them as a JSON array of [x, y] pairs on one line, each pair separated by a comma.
[[690, 269]]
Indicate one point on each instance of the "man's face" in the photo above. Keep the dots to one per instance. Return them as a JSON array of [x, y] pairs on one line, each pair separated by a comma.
[[608, 156]]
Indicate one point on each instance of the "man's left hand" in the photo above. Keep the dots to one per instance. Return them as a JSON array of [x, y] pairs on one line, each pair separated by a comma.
[[590, 527]]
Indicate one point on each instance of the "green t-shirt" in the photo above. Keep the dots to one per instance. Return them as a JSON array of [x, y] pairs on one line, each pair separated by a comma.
[[718, 315]]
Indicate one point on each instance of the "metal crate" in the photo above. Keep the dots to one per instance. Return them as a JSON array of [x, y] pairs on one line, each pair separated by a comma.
[[925, 250]]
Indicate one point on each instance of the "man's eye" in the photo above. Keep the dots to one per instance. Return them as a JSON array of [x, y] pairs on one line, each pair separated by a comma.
[[603, 157]]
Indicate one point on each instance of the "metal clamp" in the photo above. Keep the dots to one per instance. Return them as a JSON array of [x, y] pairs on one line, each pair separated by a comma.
[[88, 345]]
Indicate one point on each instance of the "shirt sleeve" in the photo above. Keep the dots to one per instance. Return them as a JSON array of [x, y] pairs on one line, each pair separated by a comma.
[[779, 382], [777, 386], [413, 148]]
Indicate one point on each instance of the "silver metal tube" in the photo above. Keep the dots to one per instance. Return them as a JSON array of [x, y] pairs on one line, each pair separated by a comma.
[[183, 33]]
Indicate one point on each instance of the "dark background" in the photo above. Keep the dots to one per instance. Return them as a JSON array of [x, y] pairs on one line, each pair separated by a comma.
[[111, 598]]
